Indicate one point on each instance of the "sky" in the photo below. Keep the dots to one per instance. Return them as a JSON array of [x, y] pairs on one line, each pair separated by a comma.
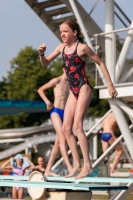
[[20, 26]]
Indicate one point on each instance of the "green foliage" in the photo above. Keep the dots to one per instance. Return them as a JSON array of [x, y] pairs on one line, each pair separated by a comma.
[[56, 67], [130, 61], [3, 92], [26, 75], [119, 43]]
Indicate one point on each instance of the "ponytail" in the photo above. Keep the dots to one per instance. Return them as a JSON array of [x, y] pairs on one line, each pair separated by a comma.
[[80, 39]]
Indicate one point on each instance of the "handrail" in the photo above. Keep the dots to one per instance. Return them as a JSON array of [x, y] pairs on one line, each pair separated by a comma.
[[115, 31]]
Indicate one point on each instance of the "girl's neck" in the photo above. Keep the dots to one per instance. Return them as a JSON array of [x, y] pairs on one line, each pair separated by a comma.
[[72, 44], [20, 166]]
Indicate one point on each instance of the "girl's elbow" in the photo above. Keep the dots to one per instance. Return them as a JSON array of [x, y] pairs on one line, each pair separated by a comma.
[[46, 63]]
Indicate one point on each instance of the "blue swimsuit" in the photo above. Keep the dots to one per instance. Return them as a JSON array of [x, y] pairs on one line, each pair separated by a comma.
[[59, 111], [106, 136]]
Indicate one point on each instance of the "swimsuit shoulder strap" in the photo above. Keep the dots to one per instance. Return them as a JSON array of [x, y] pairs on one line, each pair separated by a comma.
[[64, 48], [76, 47]]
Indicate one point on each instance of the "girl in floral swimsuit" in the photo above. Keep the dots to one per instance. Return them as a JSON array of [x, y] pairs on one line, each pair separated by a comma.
[[80, 95], [75, 70]]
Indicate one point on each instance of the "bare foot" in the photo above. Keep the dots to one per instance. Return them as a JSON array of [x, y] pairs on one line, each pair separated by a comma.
[[84, 172], [50, 173], [113, 170], [73, 172]]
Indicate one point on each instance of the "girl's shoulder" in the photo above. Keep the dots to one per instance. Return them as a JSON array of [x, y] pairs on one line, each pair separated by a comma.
[[84, 49], [61, 46], [82, 46]]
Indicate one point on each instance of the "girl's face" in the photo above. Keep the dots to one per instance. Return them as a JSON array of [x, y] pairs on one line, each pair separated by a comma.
[[67, 34], [19, 161], [40, 161]]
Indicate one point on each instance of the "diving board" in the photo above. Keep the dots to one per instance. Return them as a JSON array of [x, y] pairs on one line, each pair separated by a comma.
[[83, 180], [60, 186], [37, 185]]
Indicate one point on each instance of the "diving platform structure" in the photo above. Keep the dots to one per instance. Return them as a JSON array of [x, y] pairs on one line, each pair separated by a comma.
[[53, 13]]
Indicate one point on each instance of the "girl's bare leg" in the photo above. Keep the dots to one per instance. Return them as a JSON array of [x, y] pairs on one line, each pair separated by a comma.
[[20, 193], [14, 193], [53, 155], [83, 102], [57, 123], [67, 130]]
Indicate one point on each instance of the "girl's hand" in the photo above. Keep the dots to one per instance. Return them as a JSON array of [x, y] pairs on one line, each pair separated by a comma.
[[42, 49], [11, 158], [36, 167], [112, 91], [50, 106]]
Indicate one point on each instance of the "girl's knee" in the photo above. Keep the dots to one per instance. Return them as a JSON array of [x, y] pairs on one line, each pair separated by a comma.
[[77, 128], [66, 130]]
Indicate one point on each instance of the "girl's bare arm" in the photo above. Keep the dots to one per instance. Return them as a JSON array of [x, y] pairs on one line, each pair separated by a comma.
[[4, 166], [88, 51], [46, 60], [31, 164]]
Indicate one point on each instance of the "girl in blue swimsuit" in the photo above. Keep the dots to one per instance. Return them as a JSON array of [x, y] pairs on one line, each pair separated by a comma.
[[74, 53]]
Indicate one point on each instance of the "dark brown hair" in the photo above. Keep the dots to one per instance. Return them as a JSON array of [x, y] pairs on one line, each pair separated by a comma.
[[74, 26], [41, 157]]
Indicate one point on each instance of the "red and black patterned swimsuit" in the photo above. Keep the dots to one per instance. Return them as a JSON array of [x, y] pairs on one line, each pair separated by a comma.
[[75, 71]]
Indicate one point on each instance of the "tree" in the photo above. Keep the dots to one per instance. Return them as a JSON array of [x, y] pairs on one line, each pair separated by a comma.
[[56, 67], [26, 75], [3, 92]]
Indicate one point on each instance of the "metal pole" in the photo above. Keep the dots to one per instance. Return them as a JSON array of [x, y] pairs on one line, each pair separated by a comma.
[[95, 147], [124, 107], [123, 54], [127, 75], [109, 26], [123, 126]]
